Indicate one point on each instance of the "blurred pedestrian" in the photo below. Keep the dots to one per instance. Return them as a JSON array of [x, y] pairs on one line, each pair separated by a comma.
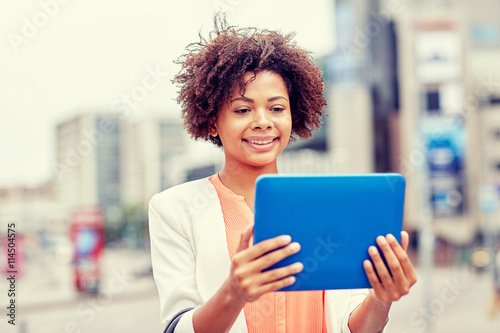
[[249, 91]]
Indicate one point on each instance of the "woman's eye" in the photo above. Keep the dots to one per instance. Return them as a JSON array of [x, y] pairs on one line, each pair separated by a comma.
[[277, 109], [242, 111]]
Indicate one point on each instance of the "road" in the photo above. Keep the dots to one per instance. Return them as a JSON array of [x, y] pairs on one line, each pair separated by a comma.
[[459, 303], [48, 303]]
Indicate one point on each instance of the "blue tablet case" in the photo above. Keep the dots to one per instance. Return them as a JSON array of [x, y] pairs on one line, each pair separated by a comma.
[[335, 218]]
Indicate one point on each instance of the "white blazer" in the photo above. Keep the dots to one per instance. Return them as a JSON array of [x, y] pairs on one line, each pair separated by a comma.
[[191, 260]]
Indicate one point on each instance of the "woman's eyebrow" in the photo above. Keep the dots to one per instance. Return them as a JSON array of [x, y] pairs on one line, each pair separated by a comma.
[[250, 100], [276, 97], [241, 98]]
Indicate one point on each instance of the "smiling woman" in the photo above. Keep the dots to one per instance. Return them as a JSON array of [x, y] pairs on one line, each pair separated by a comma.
[[250, 91]]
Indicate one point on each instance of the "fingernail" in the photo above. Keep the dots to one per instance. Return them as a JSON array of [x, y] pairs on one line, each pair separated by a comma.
[[295, 246], [390, 238], [298, 267], [372, 250], [286, 239], [381, 240]]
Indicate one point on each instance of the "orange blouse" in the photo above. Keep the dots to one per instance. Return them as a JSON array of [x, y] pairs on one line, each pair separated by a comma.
[[294, 311]]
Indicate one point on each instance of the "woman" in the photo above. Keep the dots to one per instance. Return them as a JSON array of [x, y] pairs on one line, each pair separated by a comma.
[[250, 91]]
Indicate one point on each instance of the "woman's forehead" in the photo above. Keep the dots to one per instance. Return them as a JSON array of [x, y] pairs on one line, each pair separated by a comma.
[[250, 76]]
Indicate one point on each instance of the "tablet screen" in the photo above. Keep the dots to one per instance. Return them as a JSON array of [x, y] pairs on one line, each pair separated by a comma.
[[335, 218]]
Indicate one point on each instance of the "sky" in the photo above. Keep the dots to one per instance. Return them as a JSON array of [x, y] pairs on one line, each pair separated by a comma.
[[61, 58]]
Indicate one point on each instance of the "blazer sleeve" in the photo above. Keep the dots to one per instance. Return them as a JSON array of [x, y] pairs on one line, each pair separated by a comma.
[[356, 297], [339, 306], [174, 262]]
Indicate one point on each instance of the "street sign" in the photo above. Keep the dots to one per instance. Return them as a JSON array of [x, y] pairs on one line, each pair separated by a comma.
[[87, 236]]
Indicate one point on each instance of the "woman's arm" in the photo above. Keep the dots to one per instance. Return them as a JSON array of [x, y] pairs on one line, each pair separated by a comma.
[[372, 314], [173, 262], [247, 282]]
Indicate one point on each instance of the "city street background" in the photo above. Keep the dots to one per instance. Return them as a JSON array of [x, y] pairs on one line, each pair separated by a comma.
[[90, 130]]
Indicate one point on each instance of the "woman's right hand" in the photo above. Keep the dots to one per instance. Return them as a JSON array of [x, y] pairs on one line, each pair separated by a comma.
[[247, 281]]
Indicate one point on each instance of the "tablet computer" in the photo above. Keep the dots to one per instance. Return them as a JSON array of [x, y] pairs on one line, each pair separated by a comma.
[[335, 218]]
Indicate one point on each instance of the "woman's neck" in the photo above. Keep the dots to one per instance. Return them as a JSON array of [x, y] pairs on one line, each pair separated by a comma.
[[241, 179]]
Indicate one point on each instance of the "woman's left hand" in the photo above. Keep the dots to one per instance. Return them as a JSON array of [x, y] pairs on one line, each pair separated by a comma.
[[393, 283]]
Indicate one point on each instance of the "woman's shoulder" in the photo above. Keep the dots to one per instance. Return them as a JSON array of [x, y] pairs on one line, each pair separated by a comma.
[[186, 193], [183, 202]]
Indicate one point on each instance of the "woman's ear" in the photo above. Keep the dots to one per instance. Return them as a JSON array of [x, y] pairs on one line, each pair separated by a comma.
[[213, 130]]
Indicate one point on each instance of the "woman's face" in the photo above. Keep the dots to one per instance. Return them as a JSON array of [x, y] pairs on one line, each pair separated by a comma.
[[255, 129]]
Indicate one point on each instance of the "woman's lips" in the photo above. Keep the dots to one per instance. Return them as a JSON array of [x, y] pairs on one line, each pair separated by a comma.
[[261, 144]]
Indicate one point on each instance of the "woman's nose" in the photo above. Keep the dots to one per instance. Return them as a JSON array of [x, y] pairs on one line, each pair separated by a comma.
[[262, 120]]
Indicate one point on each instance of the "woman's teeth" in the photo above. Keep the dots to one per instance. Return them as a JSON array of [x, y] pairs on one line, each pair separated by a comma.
[[261, 142]]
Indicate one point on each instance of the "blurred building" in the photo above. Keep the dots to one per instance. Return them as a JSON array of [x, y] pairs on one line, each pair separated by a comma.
[[489, 128], [112, 162], [39, 222], [37, 207], [413, 90], [88, 169], [447, 79], [150, 146]]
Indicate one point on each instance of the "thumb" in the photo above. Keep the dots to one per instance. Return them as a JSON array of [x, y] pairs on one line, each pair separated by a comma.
[[245, 238]]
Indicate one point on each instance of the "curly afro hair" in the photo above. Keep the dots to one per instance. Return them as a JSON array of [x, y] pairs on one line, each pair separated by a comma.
[[211, 68]]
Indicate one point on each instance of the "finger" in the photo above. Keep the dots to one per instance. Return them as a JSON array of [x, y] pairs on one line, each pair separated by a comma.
[[276, 285], [381, 269], [391, 258], [403, 258], [405, 240], [378, 288], [276, 274], [245, 238], [275, 256], [268, 245]]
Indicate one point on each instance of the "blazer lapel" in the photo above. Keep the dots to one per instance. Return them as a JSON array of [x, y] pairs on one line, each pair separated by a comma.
[[212, 263]]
